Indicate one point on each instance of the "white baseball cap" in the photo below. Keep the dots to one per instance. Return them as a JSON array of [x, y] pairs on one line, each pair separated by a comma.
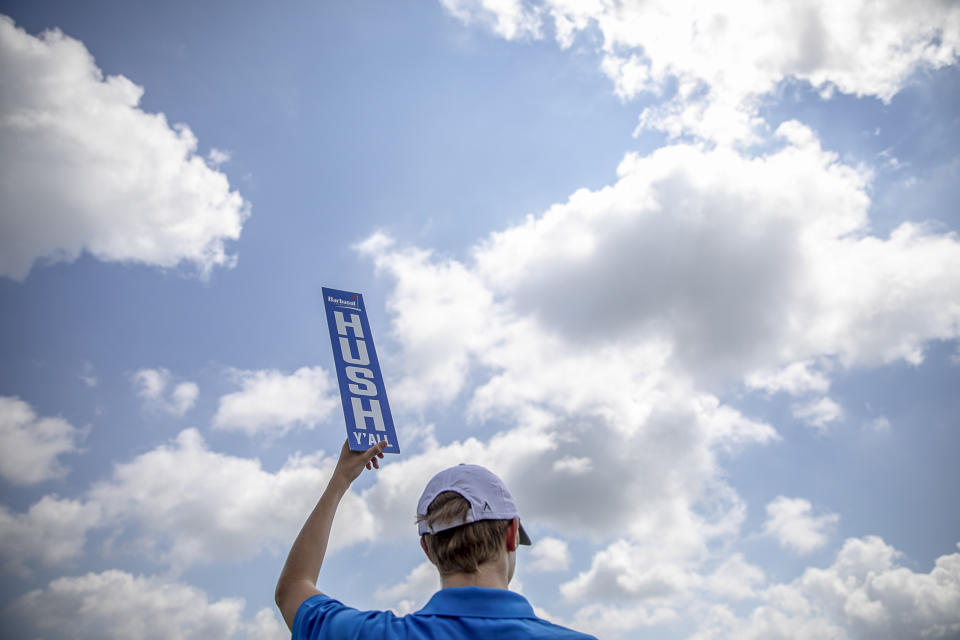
[[488, 497]]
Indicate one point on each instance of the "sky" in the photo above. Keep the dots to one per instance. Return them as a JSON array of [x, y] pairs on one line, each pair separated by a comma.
[[685, 275]]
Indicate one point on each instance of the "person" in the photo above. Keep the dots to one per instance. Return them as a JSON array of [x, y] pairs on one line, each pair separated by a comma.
[[469, 529]]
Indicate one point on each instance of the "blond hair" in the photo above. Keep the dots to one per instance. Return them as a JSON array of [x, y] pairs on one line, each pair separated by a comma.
[[464, 548]]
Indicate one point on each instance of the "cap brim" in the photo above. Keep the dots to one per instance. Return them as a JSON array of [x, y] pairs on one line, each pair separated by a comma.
[[524, 538]]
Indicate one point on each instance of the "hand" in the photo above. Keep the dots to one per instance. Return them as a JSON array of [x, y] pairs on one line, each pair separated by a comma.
[[351, 463]]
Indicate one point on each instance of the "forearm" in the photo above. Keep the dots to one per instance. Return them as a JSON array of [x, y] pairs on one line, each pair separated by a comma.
[[310, 547], [298, 579]]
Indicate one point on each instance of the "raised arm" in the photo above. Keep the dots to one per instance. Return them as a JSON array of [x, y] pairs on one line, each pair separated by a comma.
[[298, 580]]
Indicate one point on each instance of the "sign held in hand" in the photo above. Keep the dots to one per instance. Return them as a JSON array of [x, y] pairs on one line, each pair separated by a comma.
[[365, 405]]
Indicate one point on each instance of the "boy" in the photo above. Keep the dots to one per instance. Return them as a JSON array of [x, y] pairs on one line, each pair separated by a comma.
[[469, 528]]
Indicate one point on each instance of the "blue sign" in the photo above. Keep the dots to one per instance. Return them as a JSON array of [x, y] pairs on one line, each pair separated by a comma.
[[362, 392]]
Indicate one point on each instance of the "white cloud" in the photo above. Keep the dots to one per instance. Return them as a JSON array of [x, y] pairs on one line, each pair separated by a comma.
[[115, 604], [184, 396], [182, 504], [715, 267], [797, 378], [507, 18], [399, 483], [573, 465], [152, 385], [440, 336], [818, 413], [217, 157], [720, 622], [626, 571], [52, 531], [863, 594], [186, 504], [717, 270], [792, 523], [610, 621], [273, 402], [734, 579], [413, 592], [267, 625], [725, 56], [671, 458], [736, 264], [30, 447], [549, 554], [85, 169]]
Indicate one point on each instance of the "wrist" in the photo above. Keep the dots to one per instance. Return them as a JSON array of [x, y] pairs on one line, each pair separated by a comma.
[[339, 484]]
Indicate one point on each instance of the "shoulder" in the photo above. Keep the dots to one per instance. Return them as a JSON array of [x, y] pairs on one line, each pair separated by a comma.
[[321, 616], [551, 631]]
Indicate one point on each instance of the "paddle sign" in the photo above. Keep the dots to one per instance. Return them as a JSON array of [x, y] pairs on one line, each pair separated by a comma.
[[364, 397]]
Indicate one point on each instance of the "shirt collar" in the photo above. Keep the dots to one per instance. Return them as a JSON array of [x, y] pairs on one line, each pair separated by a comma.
[[477, 602]]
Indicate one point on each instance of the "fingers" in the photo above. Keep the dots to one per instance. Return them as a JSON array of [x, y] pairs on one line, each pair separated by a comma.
[[374, 452]]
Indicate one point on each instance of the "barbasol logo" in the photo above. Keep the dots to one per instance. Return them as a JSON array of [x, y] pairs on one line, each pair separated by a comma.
[[342, 302]]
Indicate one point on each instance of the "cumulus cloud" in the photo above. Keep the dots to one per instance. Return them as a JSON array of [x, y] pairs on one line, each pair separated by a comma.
[[865, 593], [272, 402], [413, 592], [736, 264], [393, 497], [184, 396], [549, 554], [152, 385], [30, 446], [53, 531], [85, 169], [185, 504], [734, 579], [117, 604], [439, 337], [182, 504], [573, 465], [612, 621], [711, 270], [507, 18], [627, 571], [797, 378], [217, 157], [818, 413], [658, 586], [672, 459], [792, 523], [717, 270], [663, 510], [724, 57]]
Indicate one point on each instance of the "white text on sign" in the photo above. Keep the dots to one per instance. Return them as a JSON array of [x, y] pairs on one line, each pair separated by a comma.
[[362, 383]]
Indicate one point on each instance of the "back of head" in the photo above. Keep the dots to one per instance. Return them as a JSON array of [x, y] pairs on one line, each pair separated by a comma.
[[464, 547]]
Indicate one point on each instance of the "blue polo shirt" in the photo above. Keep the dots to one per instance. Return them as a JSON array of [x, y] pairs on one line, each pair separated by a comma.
[[456, 612]]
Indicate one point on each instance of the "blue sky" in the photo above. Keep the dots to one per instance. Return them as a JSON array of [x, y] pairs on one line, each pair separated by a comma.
[[687, 279]]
